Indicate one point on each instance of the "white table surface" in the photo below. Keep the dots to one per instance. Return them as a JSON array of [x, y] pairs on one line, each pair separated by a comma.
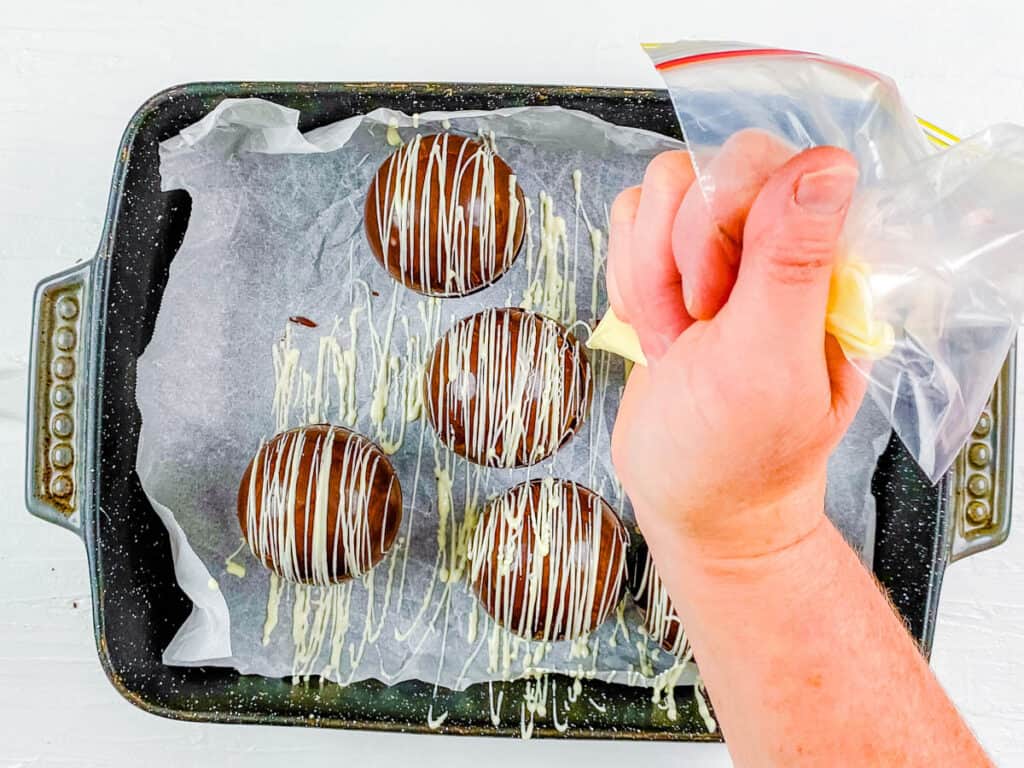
[[71, 75]]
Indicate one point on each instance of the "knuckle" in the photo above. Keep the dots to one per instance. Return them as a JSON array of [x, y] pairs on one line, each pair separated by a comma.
[[667, 171], [729, 245], [797, 259], [661, 305], [753, 140], [797, 272], [624, 206]]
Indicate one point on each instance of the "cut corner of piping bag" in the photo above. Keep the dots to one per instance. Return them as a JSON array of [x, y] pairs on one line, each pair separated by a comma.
[[615, 336]]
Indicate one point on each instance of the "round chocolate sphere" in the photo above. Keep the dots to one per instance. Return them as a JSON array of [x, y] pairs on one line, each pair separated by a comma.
[[319, 504], [661, 622], [506, 387], [444, 215], [548, 560]]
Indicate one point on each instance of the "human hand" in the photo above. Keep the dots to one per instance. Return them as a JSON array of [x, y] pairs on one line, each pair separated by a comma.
[[722, 441]]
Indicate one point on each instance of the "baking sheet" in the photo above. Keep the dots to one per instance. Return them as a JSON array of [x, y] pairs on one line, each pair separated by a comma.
[[276, 231]]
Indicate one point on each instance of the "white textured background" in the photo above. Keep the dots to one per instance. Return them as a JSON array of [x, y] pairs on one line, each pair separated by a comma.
[[72, 73]]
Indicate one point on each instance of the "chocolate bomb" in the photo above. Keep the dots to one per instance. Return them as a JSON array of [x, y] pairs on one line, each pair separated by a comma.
[[661, 622], [444, 215], [506, 387], [548, 560], [319, 504]]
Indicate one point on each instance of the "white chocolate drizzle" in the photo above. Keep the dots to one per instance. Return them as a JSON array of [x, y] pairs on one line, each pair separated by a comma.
[[596, 238], [602, 368], [273, 606], [232, 566], [560, 727], [429, 318], [338, 600], [389, 371], [286, 363], [440, 251], [661, 622], [517, 405], [325, 622], [663, 691], [620, 624], [394, 138], [552, 288], [274, 494], [564, 533], [495, 704], [435, 722], [702, 706], [597, 248]]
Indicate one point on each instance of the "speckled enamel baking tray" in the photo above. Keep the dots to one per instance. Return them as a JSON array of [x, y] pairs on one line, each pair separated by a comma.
[[93, 321]]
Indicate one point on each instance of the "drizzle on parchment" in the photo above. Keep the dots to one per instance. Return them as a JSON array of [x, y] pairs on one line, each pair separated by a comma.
[[322, 622]]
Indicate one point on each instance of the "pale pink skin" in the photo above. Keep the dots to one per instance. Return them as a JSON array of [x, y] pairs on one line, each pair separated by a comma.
[[722, 441]]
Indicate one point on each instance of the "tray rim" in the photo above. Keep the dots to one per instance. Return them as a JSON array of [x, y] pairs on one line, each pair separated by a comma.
[[100, 276]]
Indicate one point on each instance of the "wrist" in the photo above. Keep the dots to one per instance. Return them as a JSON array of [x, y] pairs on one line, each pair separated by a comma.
[[735, 528], [700, 582]]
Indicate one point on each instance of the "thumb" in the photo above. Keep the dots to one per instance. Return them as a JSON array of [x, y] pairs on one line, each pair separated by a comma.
[[789, 244]]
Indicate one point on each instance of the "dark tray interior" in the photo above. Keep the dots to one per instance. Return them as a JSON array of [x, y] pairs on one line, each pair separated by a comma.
[[137, 603]]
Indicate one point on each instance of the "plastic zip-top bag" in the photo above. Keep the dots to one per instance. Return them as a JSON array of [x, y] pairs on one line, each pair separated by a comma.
[[929, 285]]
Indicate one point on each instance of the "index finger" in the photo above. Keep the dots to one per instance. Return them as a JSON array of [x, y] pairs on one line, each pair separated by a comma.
[[658, 313], [620, 235], [708, 235]]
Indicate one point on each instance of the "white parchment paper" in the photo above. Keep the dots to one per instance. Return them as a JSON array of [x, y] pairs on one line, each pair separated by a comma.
[[276, 232]]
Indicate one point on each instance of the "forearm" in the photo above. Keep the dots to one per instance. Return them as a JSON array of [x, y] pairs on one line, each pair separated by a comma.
[[807, 663]]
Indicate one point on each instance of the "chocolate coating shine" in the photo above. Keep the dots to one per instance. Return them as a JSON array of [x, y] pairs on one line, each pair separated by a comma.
[[444, 215], [319, 504], [549, 560], [506, 387], [661, 622]]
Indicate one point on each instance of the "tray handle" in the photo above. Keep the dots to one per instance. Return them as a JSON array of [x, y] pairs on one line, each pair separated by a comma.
[[982, 484], [57, 397]]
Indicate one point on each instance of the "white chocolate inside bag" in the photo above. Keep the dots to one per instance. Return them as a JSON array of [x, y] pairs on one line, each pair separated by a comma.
[[849, 317]]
